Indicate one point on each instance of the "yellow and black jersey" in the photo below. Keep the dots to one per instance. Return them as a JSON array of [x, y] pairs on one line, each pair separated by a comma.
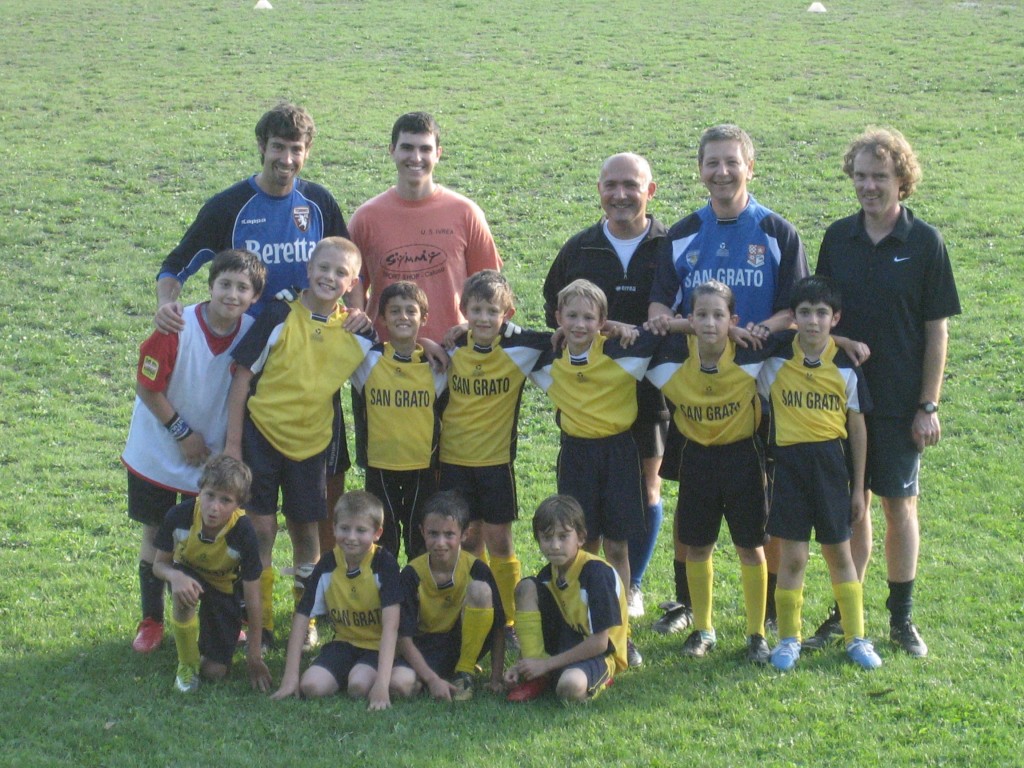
[[595, 393], [591, 599], [715, 405], [809, 400], [301, 360], [430, 608], [352, 600], [232, 554], [400, 398], [485, 385]]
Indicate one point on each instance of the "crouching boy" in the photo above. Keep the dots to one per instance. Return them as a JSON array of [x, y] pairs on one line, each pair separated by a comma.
[[205, 551], [572, 616], [451, 611]]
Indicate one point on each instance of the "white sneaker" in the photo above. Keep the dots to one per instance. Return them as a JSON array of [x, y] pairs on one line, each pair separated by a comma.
[[635, 602]]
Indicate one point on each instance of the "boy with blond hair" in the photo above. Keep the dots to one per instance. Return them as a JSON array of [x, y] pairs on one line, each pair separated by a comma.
[[206, 551], [280, 408], [592, 382], [356, 587], [180, 414], [398, 392]]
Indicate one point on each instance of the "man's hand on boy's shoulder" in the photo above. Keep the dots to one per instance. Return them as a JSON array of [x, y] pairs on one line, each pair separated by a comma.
[[357, 321], [170, 318], [624, 332], [435, 355], [745, 338]]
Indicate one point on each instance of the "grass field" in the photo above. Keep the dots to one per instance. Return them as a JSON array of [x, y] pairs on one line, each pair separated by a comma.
[[119, 118]]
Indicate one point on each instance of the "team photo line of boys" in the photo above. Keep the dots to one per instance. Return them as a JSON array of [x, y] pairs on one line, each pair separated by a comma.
[[703, 353]]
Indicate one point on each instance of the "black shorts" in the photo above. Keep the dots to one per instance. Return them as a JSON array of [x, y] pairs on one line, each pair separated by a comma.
[[722, 481], [403, 493], [811, 489], [337, 458], [490, 491], [302, 484], [603, 474], [671, 455], [560, 637], [893, 459], [220, 619], [441, 650], [148, 503], [339, 657], [651, 423]]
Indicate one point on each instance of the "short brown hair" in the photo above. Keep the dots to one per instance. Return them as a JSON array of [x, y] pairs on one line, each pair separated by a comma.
[[360, 504], [403, 289], [239, 260], [448, 504], [342, 244], [714, 288], [224, 473], [559, 511], [727, 132], [286, 121], [882, 143], [488, 285]]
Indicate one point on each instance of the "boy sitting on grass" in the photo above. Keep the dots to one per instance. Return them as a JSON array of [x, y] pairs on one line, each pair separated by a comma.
[[181, 413], [398, 392], [356, 586], [818, 399], [713, 384], [451, 612], [572, 615], [281, 409], [205, 551]]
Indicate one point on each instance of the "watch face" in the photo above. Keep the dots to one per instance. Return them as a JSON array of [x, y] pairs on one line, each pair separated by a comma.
[[928, 407]]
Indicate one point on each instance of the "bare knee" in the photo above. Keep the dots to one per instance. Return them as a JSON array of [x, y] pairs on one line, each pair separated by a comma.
[[572, 686], [526, 595], [478, 594], [213, 670]]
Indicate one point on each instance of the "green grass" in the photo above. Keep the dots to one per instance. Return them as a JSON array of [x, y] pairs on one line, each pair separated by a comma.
[[120, 118]]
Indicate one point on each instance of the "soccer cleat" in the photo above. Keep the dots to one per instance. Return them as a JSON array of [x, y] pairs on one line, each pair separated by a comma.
[[463, 683], [906, 636], [633, 657], [700, 643], [312, 638], [187, 679], [862, 653], [635, 603], [676, 618], [785, 655], [528, 690], [829, 632], [757, 650], [148, 636]]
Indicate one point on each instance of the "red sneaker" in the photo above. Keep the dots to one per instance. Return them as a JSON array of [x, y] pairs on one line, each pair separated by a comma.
[[529, 690], [148, 636]]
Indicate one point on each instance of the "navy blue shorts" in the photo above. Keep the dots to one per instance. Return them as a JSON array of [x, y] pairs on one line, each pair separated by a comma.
[[719, 481], [220, 619], [490, 491], [811, 489], [560, 637], [603, 474], [339, 657], [893, 459], [148, 503], [302, 484]]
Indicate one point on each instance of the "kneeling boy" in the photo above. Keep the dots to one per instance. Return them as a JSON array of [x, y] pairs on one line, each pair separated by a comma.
[[451, 611], [361, 602], [203, 551], [572, 616]]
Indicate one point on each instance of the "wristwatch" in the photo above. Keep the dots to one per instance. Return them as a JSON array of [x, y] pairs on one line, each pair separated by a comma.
[[928, 407]]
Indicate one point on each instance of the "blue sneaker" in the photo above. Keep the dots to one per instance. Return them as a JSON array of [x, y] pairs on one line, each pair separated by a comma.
[[785, 655], [862, 653]]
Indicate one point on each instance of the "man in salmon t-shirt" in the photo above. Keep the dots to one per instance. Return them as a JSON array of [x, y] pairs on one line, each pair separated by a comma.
[[420, 231]]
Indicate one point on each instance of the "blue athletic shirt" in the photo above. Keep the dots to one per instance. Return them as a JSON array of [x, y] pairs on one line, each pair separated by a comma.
[[759, 255], [282, 231]]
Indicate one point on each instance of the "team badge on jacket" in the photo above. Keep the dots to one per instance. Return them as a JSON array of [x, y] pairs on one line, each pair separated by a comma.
[[300, 215]]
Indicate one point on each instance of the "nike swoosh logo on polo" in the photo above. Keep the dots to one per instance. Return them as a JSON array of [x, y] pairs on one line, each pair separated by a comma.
[[908, 485], [897, 259]]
